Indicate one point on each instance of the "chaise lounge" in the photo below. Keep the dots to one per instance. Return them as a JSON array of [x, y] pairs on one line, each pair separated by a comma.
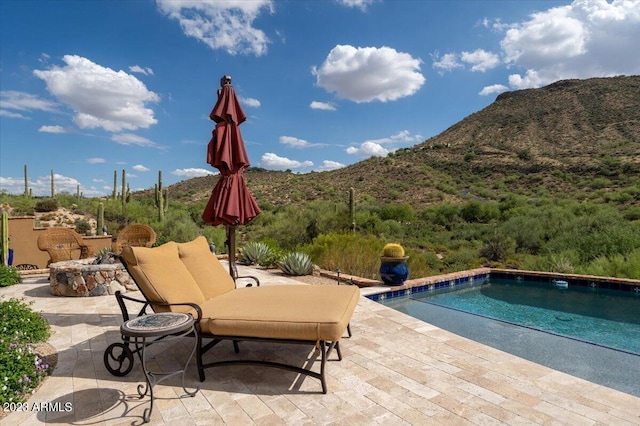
[[186, 277]]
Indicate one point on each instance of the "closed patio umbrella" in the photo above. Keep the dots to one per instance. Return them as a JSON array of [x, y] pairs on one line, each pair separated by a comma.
[[231, 204]]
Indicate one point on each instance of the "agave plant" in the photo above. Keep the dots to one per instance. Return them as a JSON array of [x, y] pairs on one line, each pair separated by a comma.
[[104, 255], [254, 253], [296, 264]]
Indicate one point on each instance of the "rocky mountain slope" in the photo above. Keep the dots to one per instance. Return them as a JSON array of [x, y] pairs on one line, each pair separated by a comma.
[[560, 139]]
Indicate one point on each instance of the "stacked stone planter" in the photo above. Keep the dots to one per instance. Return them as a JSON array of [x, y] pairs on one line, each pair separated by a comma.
[[81, 278]]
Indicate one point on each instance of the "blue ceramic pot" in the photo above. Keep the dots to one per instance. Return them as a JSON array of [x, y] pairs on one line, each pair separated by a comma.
[[394, 273]]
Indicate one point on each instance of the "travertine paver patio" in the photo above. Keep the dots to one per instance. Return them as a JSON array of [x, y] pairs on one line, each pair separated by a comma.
[[396, 370]]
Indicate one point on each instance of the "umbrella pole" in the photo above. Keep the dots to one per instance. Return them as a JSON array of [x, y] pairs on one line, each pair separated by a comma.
[[231, 245]]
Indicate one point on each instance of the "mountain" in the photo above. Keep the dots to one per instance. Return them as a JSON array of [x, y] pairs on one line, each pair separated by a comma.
[[570, 138]]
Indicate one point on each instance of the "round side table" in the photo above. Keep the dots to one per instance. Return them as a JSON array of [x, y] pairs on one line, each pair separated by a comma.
[[164, 326]]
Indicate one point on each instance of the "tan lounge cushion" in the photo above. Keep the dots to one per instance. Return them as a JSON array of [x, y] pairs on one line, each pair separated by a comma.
[[212, 278], [162, 277], [299, 312]]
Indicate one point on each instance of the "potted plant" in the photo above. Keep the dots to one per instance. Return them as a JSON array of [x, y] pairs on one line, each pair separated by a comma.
[[393, 264]]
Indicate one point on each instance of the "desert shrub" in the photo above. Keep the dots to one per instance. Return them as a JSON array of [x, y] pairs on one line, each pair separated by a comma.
[[527, 232], [46, 205], [562, 262], [82, 226], [177, 226], [8, 276], [475, 211], [48, 216], [595, 232], [443, 214], [398, 212], [525, 154], [632, 214], [353, 254], [21, 370], [462, 259], [620, 266], [498, 247], [23, 206]]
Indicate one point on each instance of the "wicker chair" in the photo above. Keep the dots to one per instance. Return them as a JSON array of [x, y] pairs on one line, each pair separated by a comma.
[[134, 236], [62, 243]]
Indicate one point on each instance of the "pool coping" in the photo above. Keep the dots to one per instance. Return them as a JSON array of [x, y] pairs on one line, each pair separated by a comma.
[[418, 285]]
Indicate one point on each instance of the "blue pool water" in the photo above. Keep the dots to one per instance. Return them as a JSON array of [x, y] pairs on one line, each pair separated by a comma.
[[608, 318]]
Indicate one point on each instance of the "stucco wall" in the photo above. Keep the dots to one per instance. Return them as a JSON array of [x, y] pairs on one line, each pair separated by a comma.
[[24, 242]]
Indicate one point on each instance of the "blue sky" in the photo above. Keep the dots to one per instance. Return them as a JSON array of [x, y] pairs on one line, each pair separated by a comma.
[[89, 87]]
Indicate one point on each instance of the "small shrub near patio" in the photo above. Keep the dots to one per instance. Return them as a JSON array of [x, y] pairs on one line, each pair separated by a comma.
[[21, 370], [297, 264], [82, 226], [255, 253], [8, 276], [47, 205]]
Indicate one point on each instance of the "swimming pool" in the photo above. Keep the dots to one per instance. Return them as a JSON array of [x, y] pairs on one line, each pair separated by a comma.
[[608, 318]]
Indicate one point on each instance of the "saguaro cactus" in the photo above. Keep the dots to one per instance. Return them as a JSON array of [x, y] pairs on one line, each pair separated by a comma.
[[100, 220], [162, 195], [114, 195], [124, 190], [53, 185], [26, 182], [352, 208]]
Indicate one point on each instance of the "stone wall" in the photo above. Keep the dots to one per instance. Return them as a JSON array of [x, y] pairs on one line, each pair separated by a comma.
[[79, 278]]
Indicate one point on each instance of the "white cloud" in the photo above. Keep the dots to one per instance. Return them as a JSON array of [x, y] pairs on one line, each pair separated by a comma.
[[21, 101], [140, 168], [494, 88], [581, 40], [368, 149], [42, 185], [140, 70], [330, 165], [360, 4], [8, 114], [250, 102], [383, 146], [224, 25], [131, 139], [96, 160], [193, 172], [100, 96], [271, 160], [448, 62], [530, 79], [365, 74], [480, 59], [52, 129], [322, 105], [294, 142], [406, 136]]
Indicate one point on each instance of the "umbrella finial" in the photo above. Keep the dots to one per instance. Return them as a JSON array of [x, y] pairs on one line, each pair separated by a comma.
[[225, 80]]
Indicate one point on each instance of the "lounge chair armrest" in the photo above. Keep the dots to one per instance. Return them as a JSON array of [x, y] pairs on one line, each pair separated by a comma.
[[121, 298], [125, 313], [255, 279], [195, 306]]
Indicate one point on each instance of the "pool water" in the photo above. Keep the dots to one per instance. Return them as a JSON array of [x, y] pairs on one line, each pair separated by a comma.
[[608, 318]]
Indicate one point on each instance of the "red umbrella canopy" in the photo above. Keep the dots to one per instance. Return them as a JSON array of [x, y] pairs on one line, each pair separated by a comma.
[[231, 203]]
